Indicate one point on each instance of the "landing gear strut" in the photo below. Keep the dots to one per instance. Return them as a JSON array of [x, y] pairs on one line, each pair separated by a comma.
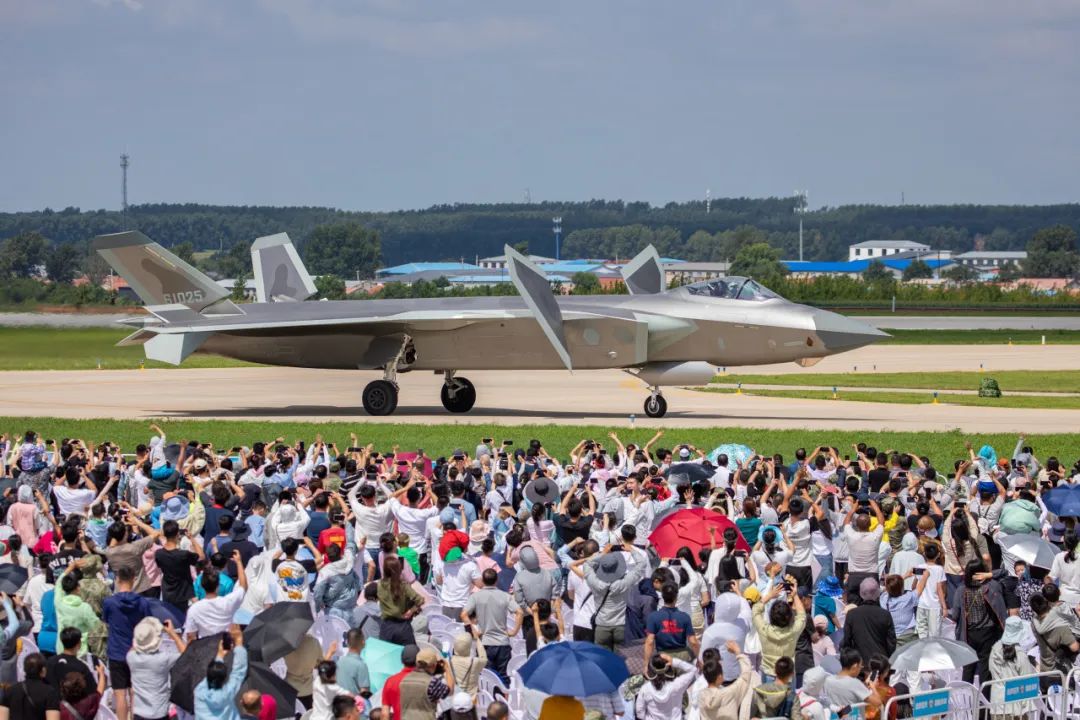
[[458, 394], [655, 404], [381, 396]]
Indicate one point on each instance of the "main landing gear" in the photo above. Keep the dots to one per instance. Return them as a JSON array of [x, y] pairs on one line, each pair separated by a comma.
[[380, 397], [655, 404], [458, 394]]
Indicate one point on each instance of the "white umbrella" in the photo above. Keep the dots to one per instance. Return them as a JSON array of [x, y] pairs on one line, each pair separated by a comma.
[[933, 654], [1032, 549]]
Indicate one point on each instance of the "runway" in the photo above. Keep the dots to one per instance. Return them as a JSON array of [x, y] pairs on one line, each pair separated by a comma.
[[605, 398]]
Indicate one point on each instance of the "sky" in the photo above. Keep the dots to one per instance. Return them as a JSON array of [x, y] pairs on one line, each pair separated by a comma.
[[384, 105]]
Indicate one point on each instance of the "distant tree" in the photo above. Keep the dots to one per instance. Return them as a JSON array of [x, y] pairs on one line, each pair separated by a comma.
[[522, 247], [185, 251], [237, 293], [329, 287], [1052, 252], [95, 268], [585, 283], [877, 272], [917, 269], [960, 273], [1009, 272], [23, 254], [343, 249], [760, 261], [62, 262], [232, 263]]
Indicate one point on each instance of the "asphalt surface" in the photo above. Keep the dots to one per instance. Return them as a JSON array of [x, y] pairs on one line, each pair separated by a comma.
[[604, 398]]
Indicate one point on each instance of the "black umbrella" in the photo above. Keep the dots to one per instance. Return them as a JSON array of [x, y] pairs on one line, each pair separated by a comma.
[[262, 678], [693, 472], [12, 577], [190, 670], [278, 630]]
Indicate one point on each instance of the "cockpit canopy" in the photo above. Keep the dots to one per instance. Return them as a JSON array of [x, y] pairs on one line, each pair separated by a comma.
[[731, 288]]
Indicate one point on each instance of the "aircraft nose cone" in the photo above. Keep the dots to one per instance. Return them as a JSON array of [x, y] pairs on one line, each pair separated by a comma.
[[839, 332]]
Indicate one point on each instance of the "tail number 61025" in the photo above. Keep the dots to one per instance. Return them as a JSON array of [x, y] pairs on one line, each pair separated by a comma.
[[184, 296]]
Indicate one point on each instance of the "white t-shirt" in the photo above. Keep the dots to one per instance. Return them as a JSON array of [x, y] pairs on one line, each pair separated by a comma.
[[929, 598], [863, 549], [413, 522], [1068, 576], [73, 501], [457, 583], [843, 690], [373, 521], [213, 615], [799, 535], [584, 602], [761, 559], [35, 589]]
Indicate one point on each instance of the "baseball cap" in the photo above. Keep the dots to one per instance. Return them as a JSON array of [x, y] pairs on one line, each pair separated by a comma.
[[409, 654], [684, 453], [427, 656], [200, 464]]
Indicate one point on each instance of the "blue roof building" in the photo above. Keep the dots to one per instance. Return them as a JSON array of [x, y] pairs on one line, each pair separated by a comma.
[[857, 267], [415, 267]]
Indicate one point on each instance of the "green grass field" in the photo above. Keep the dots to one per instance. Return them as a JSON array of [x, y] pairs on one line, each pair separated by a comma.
[[980, 337], [40, 348], [1064, 381], [941, 447], [1042, 402]]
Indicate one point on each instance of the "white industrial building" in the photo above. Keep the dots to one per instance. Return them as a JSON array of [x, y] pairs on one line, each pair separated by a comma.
[[883, 248], [987, 259]]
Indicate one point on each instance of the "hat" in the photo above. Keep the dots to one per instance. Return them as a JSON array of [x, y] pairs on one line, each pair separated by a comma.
[[1003, 463], [409, 655], [461, 702], [427, 656], [478, 532], [240, 531], [175, 508], [869, 590], [987, 486], [610, 567], [1014, 631], [458, 453], [752, 594], [448, 516], [147, 635], [542, 490], [199, 464], [684, 453], [830, 585], [821, 620], [813, 682]]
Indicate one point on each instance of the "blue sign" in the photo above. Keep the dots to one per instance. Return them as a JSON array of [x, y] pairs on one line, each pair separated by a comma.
[[1024, 688], [929, 704]]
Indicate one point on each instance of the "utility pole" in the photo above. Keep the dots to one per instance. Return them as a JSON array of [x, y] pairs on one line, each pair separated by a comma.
[[123, 185], [708, 201], [800, 210], [556, 227]]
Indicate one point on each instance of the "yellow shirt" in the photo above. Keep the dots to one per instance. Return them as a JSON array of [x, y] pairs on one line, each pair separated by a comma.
[[561, 707]]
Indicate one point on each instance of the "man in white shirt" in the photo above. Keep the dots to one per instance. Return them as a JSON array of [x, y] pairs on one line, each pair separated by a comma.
[[372, 519], [70, 498], [582, 595], [863, 543], [457, 579], [214, 614], [413, 520]]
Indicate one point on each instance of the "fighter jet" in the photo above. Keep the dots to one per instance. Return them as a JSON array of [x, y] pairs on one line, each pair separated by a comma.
[[663, 337]]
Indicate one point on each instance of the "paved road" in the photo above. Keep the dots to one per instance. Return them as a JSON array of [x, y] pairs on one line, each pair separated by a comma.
[[606, 398]]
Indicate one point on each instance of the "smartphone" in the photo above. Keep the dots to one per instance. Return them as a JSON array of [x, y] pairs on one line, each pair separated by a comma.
[[508, 442], [487, 441], [235, 449], [354, 449], [918, 571], [226, 642]]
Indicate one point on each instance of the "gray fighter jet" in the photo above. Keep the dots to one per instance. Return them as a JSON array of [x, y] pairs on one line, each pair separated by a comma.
[[663, 337]]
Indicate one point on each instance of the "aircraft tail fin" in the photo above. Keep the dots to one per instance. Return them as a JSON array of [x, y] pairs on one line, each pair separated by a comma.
[[533, 285], [280, 275], [156, 275], [643, 275]]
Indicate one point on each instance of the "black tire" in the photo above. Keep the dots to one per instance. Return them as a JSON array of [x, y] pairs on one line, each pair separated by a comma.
[[380, 397], [462, 401], [655, 406]]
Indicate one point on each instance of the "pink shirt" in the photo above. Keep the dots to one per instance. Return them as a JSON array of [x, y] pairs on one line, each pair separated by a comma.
[[546, 561], [21, 518]]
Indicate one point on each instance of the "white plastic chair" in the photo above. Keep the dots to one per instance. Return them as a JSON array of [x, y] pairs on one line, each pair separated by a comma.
[[489, 682], [438, 622], [513, 665]]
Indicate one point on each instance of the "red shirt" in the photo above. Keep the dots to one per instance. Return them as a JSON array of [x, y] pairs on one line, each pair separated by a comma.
[[391, 691], [269, 708], [331, 536]]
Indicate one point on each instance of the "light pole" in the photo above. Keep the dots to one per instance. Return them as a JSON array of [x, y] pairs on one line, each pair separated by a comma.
[[800, 210], [556, 227]]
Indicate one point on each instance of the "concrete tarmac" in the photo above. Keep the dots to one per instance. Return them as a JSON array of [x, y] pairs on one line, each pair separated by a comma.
[[604, 398]]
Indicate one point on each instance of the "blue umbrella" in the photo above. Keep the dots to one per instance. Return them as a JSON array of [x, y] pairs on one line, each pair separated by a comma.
[[734, 451], [164, 611], [1063, 501], [577, 669]]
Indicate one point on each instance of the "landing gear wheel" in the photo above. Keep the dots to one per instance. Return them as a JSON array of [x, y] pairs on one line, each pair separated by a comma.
[[463, 398], [380, 397], [655, 406]]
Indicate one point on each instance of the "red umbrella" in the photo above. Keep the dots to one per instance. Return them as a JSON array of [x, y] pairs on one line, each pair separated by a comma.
[[690, 528]]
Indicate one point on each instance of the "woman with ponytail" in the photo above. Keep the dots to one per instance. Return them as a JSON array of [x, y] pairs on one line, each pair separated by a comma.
[[1065, 570]]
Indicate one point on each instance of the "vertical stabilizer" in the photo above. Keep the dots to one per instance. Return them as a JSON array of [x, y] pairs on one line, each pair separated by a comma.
[[533, 285], [643, 275], [280, 275]]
